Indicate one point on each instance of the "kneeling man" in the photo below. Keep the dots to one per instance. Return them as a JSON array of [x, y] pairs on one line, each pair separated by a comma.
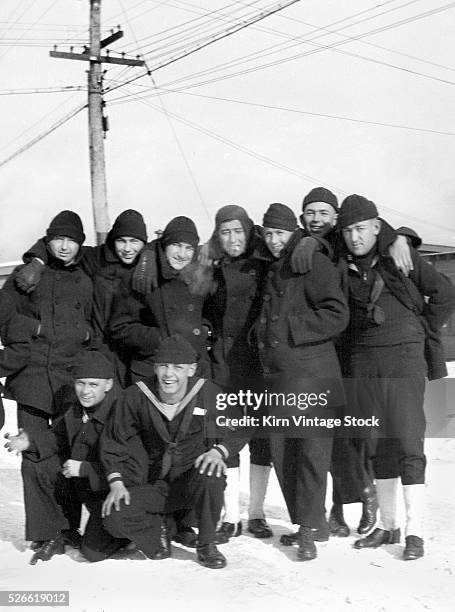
[[63, 470], [160, 456]]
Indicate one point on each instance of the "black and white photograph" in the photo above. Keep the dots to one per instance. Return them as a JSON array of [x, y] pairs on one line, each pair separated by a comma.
[[227, 305]]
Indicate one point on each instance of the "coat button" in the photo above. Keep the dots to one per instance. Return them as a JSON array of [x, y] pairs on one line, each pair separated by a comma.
[[270, 273], [190, 307], [196, 331], [263, 320], [275, 317], [266, 297], [274, 343], [261, 345]]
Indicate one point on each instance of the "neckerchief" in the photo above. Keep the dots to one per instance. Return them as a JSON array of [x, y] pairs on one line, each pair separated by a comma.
[[171, 445]]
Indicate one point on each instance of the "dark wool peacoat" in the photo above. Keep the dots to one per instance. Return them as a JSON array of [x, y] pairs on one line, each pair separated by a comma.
[[139, 322], [16, 332], [62, 304], [105, 269], [232, 311], [299, 313]]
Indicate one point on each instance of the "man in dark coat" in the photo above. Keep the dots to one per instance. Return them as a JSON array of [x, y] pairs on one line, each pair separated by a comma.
[[138, 322], [159, 455], [62, 306], [352, 477], [63, 467], [232, 309], [16, 332], [394, 319], [108, 265], [299, 318]]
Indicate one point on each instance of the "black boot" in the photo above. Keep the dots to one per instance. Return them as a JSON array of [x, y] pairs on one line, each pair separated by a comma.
[[337, 524], [307, 548], [369, 510], [413, 549], [48, 549], [320, 534], [259, 528], [72, 537], [226, 531], [378, 537], [164, 549], [186, 536], [209, 556]]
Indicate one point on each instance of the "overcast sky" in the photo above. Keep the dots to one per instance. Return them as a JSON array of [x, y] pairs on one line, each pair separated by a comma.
[[209, 152]]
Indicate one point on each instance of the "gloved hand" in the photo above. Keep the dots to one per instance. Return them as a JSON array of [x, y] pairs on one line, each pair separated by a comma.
[[27, 277], [302, 256], [145, 275]]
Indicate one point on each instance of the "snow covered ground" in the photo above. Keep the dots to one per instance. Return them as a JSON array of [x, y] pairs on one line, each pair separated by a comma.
[[261, 575]]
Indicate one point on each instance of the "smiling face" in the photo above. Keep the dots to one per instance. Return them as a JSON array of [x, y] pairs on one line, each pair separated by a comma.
[[128, 248], [276, 239], [232, 238], [319, 218], [173, 380], [179, 254], [360, 237], [64, 248], [91, 391]]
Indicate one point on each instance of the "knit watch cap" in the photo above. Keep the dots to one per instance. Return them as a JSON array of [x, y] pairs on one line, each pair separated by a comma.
[[129, 223], [93, 364], [175, 349], [356, 208], [320, 194], [180, 229], [66, 223], [280, 216]]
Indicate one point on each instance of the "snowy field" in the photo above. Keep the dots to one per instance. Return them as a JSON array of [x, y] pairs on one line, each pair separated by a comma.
[[261, 575]]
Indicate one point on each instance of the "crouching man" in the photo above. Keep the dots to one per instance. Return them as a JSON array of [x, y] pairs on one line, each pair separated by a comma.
[[63, 468], [159, 455]]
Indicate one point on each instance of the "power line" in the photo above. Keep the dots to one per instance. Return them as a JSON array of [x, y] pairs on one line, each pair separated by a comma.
[[216, 38], [183, 30], [281, 166], [319, 48], [174, 132], [41, 90], [35, 140], [299, 111], [35, 22], [51, 112]]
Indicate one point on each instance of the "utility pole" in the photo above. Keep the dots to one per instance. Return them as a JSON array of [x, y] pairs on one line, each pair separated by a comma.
[[97, 123], [95, 127]]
